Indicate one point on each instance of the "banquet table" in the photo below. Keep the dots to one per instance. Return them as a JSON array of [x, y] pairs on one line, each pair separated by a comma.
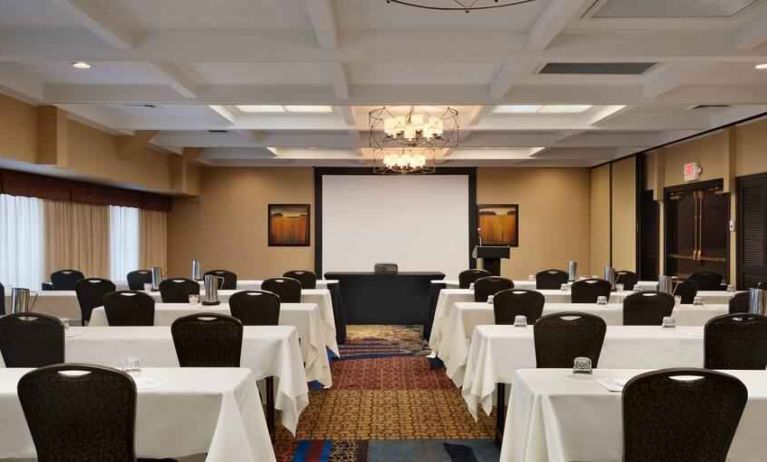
[[179, 412], [556, 416], [268, 351], [468, 315], [305, 317], [245, 284], [497, 352]]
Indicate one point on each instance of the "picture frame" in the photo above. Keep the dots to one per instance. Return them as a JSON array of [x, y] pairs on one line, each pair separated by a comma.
[[289, 225], [498, 224]]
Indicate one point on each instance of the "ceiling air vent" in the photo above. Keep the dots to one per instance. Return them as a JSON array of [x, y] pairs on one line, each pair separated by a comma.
[[709, 106], [596, 68], [144, 105], [218, 131]]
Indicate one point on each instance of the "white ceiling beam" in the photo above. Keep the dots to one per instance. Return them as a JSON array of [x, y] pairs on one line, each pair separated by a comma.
[[510, 74], [324, 21], [93, 15], [754, 32], [178, 79], [670, 76], [20, 84], [553, 21], [223, 112], [340, 82]]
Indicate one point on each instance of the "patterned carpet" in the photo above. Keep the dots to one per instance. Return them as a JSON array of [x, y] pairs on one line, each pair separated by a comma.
[[387, 404]]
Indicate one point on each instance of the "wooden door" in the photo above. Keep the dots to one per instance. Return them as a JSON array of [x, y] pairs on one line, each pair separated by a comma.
[[752, 230]]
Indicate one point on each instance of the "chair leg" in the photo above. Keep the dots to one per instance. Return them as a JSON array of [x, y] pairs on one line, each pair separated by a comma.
[[500, 411], [270, 412]]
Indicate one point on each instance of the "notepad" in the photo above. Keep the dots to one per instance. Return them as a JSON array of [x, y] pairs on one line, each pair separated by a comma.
[[614, 385]]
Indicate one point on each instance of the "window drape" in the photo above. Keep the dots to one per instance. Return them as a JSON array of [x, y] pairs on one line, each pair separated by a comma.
[[153, 239], [77, 236], [123, 241], [21, 242]]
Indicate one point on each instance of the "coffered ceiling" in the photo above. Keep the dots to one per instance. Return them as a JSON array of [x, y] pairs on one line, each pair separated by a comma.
[[650, 72]]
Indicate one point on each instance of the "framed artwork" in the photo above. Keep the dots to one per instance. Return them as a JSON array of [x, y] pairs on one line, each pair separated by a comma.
[[498, 224], [289, 225]]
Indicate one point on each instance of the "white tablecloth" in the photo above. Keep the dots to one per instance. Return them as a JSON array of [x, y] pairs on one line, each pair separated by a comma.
[[304, 316], [268, 351], [188, 411], [468, 315], [246, 284], [497, 352], [555, 416]]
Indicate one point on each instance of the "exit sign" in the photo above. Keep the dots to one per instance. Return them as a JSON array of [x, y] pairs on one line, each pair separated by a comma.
[[692, 171]]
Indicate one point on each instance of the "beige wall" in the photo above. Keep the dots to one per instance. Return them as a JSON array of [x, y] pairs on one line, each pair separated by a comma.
[[226, 226], [624, 214], [600, 220], [554, 215], [18, 130]]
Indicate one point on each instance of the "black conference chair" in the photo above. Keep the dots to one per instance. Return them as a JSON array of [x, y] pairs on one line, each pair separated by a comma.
[[510, 303], [562, 337], [255, 307], [90, 294], [739, 303], [589, 290], [736, 341], [687, 290], [230, 278], [65, 279], [207, 340], [681, 415], [31, 340], [137, 279], [706, 280], [647, 308], [467, 277], [307, 278], [288, 289], [628, 278], [490, 285], [178, 290], [551, 279], [2, 299], [129, 308], [88, 415]]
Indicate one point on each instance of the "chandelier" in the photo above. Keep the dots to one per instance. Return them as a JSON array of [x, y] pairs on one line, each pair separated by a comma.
[[413, 128], [404, 162], [459, 5]]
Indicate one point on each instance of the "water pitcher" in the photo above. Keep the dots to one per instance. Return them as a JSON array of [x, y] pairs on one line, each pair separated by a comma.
[[196, 270], [610, 276], [20, 300], [156, 277], [572, 270], [666, 284], [212, 284], [756, 302]]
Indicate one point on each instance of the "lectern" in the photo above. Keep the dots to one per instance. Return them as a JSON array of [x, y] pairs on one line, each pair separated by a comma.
[[491, 257]]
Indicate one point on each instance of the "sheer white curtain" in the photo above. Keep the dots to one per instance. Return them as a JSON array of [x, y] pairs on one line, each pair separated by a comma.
[[22, 260], [123, 241]]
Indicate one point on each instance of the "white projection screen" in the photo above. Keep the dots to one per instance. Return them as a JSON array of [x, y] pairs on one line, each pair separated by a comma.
[[421, 223]]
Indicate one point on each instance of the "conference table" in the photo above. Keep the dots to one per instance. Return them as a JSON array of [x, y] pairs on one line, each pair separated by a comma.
[[267, 351], [556, 416], [246, 284], [466, 316], [305, 317], [179, 412]]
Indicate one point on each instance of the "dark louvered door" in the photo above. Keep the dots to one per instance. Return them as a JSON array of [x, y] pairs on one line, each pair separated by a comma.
[[752, 230]]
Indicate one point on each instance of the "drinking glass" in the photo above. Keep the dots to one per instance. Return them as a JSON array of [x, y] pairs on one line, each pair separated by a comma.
[[194, 299], [582, 365], [669, 321], [677, 300], [697, 301], [490, 299], [619, 287], [601, 300], [564, 287], [520, 320], [148, 286], [132, 364]]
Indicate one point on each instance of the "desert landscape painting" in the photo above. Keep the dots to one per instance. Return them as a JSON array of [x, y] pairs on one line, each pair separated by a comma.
[[288, 224], [499, 224]]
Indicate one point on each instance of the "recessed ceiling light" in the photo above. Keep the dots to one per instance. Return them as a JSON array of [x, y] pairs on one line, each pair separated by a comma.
[[517, 109], [81, 65], [309, 109], [761, 67], [566, 108], [542, 109], [260, 108]]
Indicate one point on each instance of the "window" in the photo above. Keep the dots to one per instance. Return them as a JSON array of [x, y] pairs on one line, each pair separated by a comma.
[[21, 242], [123, 241]]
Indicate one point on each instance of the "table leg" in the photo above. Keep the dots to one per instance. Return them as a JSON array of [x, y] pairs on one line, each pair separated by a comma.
[[500, 411], [270, 412]]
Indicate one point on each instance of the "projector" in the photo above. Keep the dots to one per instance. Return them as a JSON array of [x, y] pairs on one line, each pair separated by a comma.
[[385, 268]]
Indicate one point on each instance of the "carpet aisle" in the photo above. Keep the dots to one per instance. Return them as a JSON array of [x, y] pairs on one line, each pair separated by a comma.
[[387, 404]]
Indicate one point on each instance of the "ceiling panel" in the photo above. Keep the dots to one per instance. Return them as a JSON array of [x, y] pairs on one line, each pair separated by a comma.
[[670, 8], [128, 73], [422, 73], [33, 13], [263, 73]]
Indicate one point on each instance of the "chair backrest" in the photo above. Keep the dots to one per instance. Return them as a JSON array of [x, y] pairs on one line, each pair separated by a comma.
[[467, 277], [513, 302], [628, 278], [255, 307], [129, 308], [2, 299], [684, 415], [589, 290], [90, 294], [687, 290], [706, 280], [230, 278], [307, 278], [647, 308], [137, 279], [739, 303], [31, 340], [551, 279], [288, 289], [490, 285], [562, 337], [80, 412], [735, 341], [178, 290], [207, 340], [66, 279]]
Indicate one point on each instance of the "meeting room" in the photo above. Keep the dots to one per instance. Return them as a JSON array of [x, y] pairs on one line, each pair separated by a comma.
[[383, 230]]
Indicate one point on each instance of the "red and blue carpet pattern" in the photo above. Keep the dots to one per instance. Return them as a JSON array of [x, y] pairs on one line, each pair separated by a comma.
[[387, 404]]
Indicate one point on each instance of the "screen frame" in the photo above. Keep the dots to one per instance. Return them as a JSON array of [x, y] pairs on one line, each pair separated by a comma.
[[319, 172]]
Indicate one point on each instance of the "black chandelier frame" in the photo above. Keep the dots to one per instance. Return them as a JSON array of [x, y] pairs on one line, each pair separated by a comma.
[[462, 5]]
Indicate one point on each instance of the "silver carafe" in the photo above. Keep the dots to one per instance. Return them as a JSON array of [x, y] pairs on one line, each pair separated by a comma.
[[666, 284], [196, 270], [610, 276], [756, 301], [212, 284], [572, 270], [156, 277], [20, 300]]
